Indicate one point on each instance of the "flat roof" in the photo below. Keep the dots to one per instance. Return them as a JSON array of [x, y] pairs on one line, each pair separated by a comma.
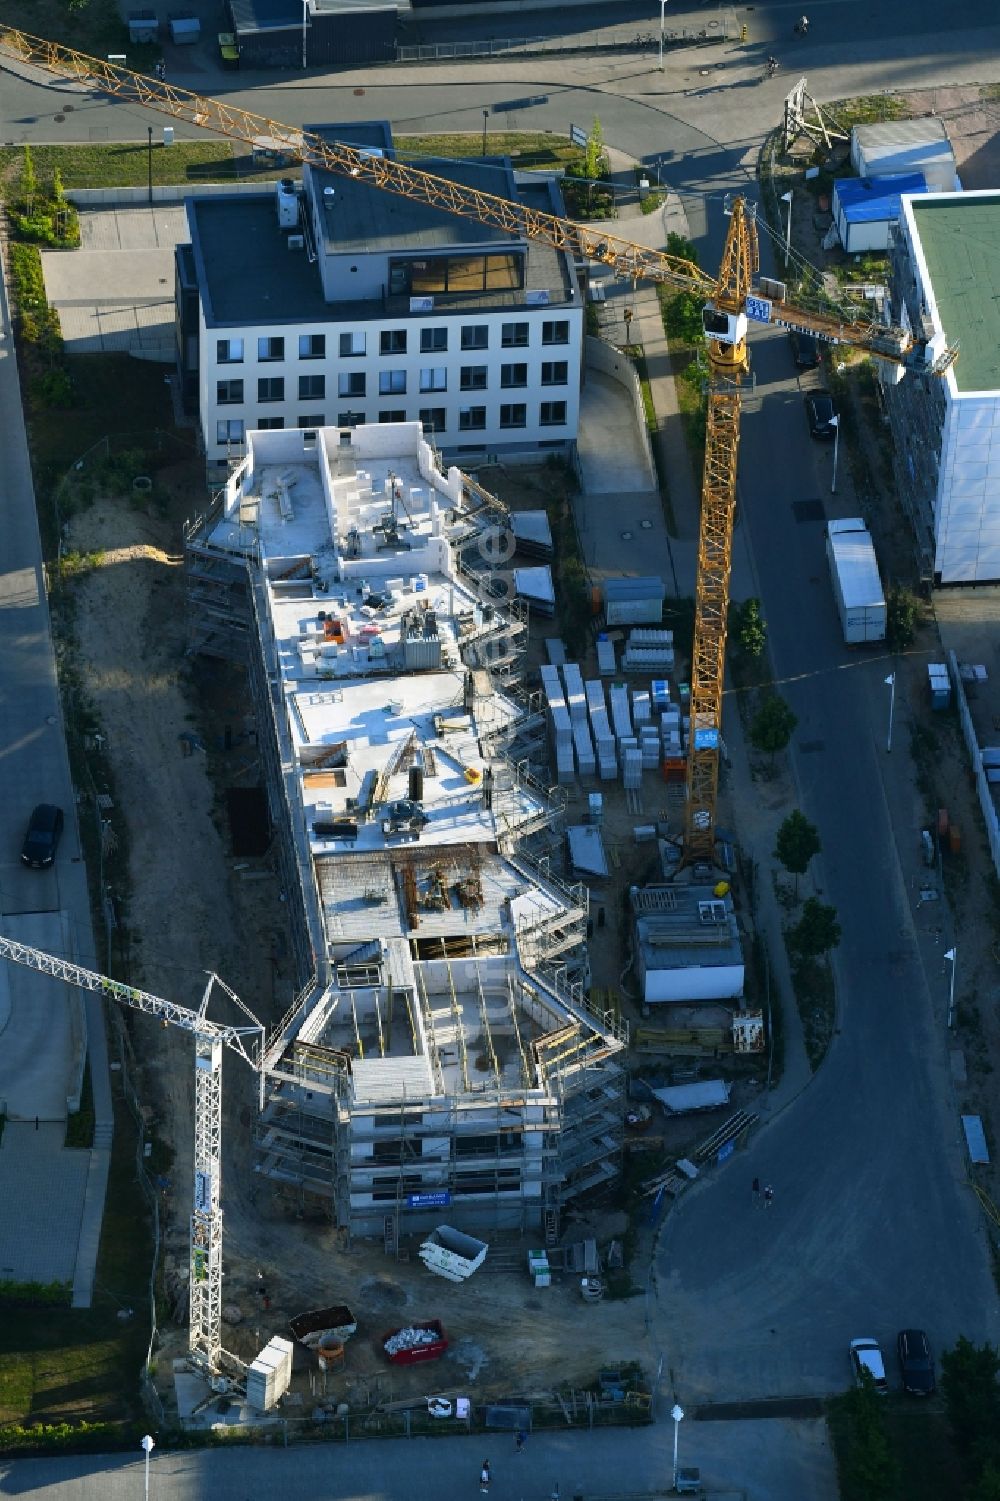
[[959, 239], [685, 927], [870, 200]]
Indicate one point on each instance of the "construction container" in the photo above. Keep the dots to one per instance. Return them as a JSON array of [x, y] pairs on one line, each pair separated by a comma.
[[451, 1254], [415, 784], [413, 1343], [336, 1323], [634, 601]]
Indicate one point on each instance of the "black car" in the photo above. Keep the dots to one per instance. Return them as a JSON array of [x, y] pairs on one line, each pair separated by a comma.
[[805, 350], [42, 839], [821, 412], [916, 1362]]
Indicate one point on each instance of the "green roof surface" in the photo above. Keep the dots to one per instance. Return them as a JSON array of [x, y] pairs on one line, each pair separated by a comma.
[[960, 239]]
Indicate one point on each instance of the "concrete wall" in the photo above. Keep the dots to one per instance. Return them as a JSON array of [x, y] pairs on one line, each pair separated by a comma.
[[176, 193], [611, 362]]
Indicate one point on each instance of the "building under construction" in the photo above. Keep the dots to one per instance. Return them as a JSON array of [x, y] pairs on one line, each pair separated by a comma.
[[441, 1050]]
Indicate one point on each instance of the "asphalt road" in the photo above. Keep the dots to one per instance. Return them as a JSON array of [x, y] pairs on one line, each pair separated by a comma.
[[753, 1461], [873, 1227]]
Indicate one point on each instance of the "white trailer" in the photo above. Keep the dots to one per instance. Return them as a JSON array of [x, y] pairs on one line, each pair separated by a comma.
[[856, 583]]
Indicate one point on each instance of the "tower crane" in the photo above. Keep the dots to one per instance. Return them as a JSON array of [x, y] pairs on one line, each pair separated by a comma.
[[205, 1258], [732, 301]]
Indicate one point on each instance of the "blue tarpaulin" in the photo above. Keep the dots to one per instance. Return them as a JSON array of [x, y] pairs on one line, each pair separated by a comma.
[[868, 200]]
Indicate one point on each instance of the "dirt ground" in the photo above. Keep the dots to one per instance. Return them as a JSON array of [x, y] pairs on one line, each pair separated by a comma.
[[191, 909]]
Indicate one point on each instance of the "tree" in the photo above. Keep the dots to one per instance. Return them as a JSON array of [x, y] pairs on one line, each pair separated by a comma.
[[902, 617], [751, 631], [772, 725], [796, 843], [870, 1469], [987, 1486], [817, 930], [969, 1379], [29, 181], [594, 155]]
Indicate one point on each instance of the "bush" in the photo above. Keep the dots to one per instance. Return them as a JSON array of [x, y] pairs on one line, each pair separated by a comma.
[[35, 1295], [54, 388]]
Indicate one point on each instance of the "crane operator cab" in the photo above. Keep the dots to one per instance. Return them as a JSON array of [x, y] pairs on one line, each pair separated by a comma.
[[725, 328]]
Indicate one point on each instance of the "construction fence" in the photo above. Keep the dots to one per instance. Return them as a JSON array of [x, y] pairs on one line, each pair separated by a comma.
[[718, 29]]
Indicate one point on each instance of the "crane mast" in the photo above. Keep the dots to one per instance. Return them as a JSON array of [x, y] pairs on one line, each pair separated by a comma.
[[726, 296], [205, 1251]]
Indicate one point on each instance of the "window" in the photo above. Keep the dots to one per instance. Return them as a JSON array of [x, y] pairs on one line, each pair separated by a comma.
[[433, 340], [350, 419], [229, 431], [457, 274], [271, 388], [392, 383], [351, 383], [228, 392], [513, 414], [312, 346], [554, 372], [392, 414], [513, 375], [434, 378], [476, 336], [310, 419], [392, 341], [552, 413], [470, 418], [555, 331], [351, 344], [269, 424], [312, 387], [229, 351], [474, 377], [433, 419], [270, 349], [514, 335]]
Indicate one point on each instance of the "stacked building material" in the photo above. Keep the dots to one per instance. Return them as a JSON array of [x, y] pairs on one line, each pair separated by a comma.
[[576, 700], [585, 760], [649, 651], [604, 740], [632, 768], [605, 656], [641, 710], [621, 715], [560, 724]]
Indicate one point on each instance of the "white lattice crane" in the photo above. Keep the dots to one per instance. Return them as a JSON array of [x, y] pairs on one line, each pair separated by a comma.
[[205, 1262]]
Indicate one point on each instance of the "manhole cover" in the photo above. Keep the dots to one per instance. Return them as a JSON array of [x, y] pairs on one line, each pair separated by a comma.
[[625, 536], [59, 119], [647, 526]]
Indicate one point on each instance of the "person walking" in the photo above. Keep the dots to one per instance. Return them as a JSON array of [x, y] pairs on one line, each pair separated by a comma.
[[520, 1440], [484, 1477], [755, 1190], [769, 1197]]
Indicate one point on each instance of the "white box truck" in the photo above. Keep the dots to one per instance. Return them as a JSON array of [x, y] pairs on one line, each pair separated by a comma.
[[856, 583]]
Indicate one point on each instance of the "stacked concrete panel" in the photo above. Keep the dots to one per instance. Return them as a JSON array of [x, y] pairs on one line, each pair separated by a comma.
[[632, 768], [604, 740], [649, 651], [621, 715], [605, 657], [585, 760], [560, 724]]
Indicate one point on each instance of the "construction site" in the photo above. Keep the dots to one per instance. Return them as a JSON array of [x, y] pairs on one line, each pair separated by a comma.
[[441, 1050]]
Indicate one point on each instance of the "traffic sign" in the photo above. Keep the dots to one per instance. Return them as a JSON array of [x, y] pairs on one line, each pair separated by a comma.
[[758, 309]]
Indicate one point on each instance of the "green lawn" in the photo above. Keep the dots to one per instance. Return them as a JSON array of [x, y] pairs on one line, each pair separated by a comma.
[[66, 1365], [96, 28], [532, 150]]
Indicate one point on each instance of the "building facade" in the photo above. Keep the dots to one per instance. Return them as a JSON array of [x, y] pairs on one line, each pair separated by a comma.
[[945, 283], [339, 304]]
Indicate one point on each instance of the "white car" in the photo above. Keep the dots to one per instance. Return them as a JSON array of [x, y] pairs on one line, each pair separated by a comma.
[[866, 1355]]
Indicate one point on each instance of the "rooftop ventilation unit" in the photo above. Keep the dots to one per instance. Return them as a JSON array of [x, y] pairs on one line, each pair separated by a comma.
[[296, 242], [287, 203], [711, 912], [329, 194]]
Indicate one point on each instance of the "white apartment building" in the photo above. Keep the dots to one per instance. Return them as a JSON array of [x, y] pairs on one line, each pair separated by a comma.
[[945, 274], [339, 304]]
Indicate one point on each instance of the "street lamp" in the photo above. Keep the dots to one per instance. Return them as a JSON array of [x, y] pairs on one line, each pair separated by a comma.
[[663, 6], [149, 159], [676, 1412], [486, 115], [149, 1445], [890, 683], [951, 956], [305, 13], [835, 424], [787, 198]]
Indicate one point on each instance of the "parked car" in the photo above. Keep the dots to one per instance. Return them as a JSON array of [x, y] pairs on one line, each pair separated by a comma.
[[42, 838], [916, 1363], [866, 1355], [805, 350], [821, 412]]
